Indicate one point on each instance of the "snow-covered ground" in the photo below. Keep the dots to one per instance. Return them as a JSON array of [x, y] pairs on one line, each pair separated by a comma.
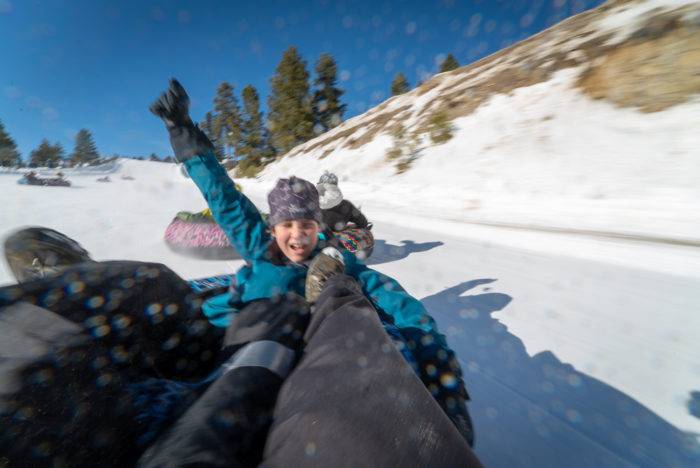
[[545, 156], [577, 350], [554, 238]]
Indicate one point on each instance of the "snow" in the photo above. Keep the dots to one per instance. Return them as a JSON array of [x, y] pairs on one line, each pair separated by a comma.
[[554, 238], [546, 156], [624, 19], [576, 349]]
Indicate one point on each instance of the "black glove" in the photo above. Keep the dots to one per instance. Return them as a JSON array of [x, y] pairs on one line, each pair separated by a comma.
[[186, 138]]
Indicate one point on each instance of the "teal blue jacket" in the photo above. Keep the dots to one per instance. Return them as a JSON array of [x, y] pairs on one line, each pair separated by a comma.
[[265, 275]]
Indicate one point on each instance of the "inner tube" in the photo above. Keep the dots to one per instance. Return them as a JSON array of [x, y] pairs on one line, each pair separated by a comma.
[[359, 241], [200, 239], [54, 182], [198, 235]]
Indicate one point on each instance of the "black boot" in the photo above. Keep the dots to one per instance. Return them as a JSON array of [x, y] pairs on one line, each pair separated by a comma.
[[38, 252]]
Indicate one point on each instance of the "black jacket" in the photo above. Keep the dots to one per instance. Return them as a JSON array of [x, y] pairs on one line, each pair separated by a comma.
[[336, 218]]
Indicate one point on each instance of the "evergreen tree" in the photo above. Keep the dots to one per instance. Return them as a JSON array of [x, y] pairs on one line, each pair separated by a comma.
[[208, 127], [46, 155], [227, 121], [399, 85], [450, 63], [9, 156], [290, 116], [85, 149], [328, 112], [254, 147], [153, 157]]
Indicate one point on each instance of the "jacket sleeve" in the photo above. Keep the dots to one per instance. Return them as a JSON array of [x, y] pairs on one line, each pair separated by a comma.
[[356, 217], [234, 212], [388, 295], [417, 327]]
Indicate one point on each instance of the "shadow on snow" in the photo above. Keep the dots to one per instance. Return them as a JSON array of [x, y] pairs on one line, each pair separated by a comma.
[[384, 252], [539, 411]]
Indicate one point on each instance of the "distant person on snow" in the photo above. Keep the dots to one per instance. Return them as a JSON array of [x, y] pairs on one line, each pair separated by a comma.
[[337, 212]]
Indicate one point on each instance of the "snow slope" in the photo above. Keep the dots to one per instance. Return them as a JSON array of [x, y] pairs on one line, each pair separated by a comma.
[[577, 350], [541, 155], [554, 238]]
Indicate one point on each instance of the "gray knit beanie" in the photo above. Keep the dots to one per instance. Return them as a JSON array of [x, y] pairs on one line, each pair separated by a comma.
[[293, 198]]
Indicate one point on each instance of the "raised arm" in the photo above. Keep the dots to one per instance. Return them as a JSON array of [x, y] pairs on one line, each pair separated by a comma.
[[233, 211]]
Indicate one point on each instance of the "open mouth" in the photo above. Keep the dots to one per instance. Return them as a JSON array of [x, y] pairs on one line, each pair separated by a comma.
[[296, 247]]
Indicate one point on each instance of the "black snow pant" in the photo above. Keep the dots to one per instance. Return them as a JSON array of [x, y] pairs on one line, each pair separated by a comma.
[[228, 424], [352, 400], [94, 361], [77, 352]]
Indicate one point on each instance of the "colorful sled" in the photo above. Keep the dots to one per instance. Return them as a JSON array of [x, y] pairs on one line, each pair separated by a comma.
[[357, 240], [198, 235]]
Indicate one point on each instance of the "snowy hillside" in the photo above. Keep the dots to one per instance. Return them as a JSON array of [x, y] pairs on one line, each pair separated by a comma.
[[575, 349], [554, 238], [532, 147]]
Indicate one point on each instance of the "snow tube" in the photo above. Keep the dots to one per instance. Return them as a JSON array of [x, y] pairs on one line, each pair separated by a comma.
[[198, 235], [357, 240], [46, 182]]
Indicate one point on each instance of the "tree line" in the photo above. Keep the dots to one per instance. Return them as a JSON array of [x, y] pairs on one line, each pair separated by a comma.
[[297, 111], [47, 154]]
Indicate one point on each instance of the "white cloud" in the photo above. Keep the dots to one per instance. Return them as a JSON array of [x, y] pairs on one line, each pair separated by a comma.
[[34, 102], [12, 92], [5, 7], [157, 14], [69, 133], [49, 113], [184, 16], [47, 110]]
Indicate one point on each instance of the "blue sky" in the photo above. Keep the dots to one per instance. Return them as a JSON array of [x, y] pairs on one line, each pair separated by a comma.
[[74, 64]]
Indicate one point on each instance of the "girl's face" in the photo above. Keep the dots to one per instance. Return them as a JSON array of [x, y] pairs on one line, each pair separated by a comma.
[[296, 238]]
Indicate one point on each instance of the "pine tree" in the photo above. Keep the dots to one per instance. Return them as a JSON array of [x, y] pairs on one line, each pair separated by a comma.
[[290, 116], [46, 155], [9, 156], [227, 119], [254, 147], [399, 85], [153, 157], [450, 63], [85, 149], [328, 112], [208, 127]]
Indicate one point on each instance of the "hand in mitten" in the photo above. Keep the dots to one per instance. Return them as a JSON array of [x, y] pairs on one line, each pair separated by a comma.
[[186, 138]]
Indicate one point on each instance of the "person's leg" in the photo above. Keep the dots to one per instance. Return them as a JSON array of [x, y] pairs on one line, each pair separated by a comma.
[[82, 360], [228, 424], [62, 400], [145, 313], [354, 401]]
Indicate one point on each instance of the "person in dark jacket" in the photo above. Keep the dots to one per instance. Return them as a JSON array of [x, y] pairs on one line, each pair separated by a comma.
[[278, 259], [338, 213]]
